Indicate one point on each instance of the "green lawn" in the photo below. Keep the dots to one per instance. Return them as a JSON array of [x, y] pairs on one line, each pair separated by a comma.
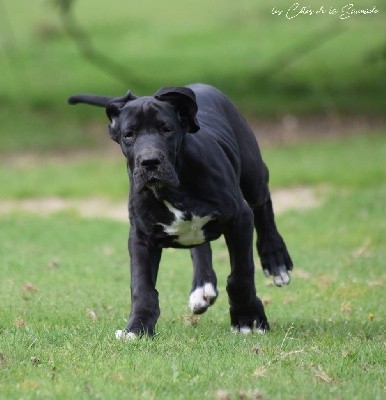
[[335, 162], [64, 281], [64, 290]]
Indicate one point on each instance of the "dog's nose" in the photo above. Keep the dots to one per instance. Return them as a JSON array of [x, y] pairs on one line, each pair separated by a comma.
[[151, 163]]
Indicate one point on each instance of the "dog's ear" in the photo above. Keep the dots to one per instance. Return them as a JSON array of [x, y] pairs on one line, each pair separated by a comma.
[[112, 104], [113, 109], [184, 100]]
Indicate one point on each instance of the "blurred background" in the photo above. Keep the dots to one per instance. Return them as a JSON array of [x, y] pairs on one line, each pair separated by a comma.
[[312, 75]]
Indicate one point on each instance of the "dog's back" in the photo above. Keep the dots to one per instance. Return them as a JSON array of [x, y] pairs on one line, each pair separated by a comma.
[[218, 116]]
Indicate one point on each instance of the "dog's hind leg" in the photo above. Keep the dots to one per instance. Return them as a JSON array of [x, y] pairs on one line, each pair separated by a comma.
[[204, 288], [254, 177], [273, 253]]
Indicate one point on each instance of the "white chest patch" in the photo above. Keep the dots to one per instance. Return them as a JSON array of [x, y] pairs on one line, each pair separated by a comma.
[[189, 233]]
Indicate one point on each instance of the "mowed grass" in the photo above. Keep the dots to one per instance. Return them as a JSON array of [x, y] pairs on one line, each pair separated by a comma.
[[356, 162], [64, 290]]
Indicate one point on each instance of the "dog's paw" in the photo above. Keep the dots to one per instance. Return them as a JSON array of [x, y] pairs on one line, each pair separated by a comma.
[[276, 261], [247, 329], [124, 335], [202, 297], [280, 275], [248, 318]]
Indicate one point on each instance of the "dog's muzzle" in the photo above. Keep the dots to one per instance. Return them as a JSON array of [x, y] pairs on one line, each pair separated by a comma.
[[154, 170]]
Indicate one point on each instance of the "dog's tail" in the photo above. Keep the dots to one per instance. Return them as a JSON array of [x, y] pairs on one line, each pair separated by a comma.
[[100, 101]]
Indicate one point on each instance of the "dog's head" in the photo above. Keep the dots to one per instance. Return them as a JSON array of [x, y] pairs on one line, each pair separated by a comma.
[[150, 131]]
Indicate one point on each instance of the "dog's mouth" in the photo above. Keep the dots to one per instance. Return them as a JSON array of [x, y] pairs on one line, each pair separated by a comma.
[[155, 183], [155, 180]]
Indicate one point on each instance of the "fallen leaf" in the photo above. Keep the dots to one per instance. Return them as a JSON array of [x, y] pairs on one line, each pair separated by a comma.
[[363, 250], [380, 281], [29, 384], [346, 308], [191, 320], [222, 394], [107, 251], [266, 300], [35, 360], [256, 349], [148, 395], [30, 288], [91, 314], [289, 299], [366, 367], [259, 372], [54, 263], [251, 395], [323, 281], [88, 387], [321, 375], [119, 377], [290, 353], [301, 274], [20, 323]]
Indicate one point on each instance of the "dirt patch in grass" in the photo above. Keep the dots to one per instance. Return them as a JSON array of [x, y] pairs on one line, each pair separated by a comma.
[[296, 198], [88, 208], [289, 129]]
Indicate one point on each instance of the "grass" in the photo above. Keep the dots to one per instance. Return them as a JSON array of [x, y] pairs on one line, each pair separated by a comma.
[[358, 164], [64, 289], [236, 46], [64, 281]]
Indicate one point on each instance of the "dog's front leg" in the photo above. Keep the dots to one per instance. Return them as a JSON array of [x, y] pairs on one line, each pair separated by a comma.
[[246, 309], [204, 289], [144, 263]]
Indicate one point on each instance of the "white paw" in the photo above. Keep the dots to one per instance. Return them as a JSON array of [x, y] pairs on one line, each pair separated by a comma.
[[283, 278], [246, 330], [242, 329], [202, 297], [124, 335]]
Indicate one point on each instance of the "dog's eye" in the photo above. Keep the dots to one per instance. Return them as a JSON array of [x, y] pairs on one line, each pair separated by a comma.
[[166, 129], [128, 135]]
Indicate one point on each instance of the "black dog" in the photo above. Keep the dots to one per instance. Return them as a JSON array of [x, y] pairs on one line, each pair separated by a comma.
[[196, 173]]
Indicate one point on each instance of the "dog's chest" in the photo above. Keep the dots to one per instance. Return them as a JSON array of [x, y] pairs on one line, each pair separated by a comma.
[[186, 228]]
